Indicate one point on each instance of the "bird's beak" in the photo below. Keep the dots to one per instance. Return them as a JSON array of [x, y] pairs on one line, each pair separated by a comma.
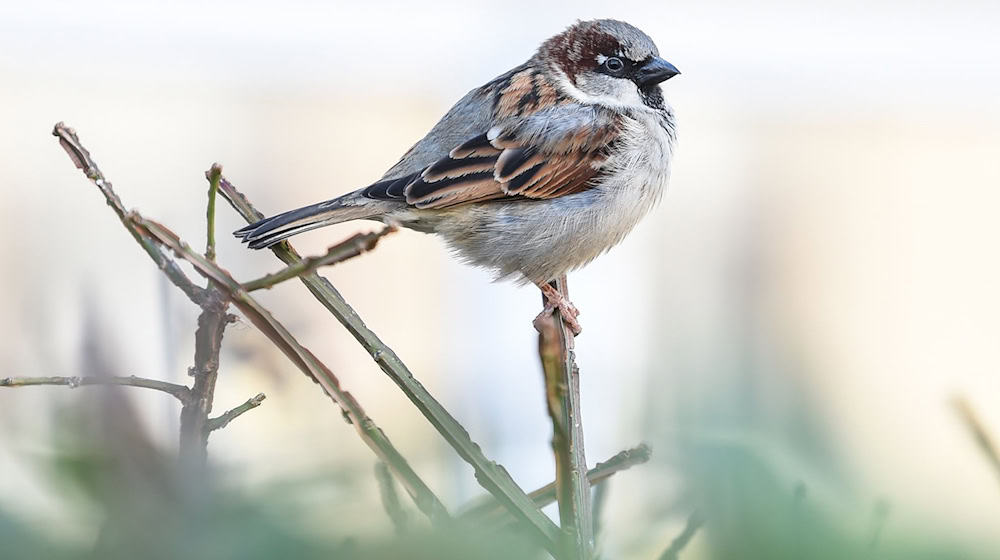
[[654, 72]]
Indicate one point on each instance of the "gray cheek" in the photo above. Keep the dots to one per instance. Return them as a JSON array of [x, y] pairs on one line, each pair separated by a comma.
[[600, 85]]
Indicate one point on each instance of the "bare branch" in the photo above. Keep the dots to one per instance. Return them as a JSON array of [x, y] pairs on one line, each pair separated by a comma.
[[493, 477], [562, 389], [180, 392], [351, 247], [151, 236], [371, 434], [694, 522], [228, 416], [207, 345], [390, 500], [81, 158], [547, 494]]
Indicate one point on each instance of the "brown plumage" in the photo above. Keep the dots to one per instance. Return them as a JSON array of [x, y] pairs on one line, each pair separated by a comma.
[[535, 173]]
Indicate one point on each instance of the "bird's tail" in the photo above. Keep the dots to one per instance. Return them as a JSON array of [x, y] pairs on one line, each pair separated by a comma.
[[269, 231]]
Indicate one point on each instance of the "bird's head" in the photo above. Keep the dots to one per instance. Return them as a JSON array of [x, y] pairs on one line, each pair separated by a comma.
[[607, 62]]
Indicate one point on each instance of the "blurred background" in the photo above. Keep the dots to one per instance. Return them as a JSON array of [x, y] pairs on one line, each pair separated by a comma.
[[787, 330]]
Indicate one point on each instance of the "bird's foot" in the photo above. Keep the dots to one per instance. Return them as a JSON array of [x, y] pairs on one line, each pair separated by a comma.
[[555, 300]]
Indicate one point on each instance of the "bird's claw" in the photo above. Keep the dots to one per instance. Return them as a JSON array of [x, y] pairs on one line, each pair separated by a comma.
[[555, 300]]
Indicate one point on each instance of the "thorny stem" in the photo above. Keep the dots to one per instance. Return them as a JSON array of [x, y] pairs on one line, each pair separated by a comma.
[[349, 248], [180, 392]]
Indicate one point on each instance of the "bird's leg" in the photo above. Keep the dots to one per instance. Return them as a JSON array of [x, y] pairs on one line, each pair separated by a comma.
[[555, 300]]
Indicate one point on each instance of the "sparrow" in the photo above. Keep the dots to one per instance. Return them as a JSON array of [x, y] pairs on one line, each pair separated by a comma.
[[535, 173]]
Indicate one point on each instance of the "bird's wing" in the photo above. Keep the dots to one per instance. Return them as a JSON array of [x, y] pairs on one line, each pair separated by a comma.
[[551, 152]]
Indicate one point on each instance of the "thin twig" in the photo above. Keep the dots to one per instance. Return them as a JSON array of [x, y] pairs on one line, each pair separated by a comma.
[[228, 416], [351, 247], [984, 440], [390, 500], [493, 477], [81, 158], [180, 392], [562, 389], [371, 434], [547, 494], [694, 522], [213, 186]]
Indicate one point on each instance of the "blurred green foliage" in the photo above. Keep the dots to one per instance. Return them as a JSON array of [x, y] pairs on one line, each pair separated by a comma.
[[148, 509]]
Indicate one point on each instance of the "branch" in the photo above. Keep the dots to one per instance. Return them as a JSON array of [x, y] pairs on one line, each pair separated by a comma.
[[210, 332], [81, 158], [493, 477], [228, 416], [562, 389], [371, 434], [180, 392], [213, 186], [694, 522], [212, 321], [390, 500], [547, 494], [351, 247]]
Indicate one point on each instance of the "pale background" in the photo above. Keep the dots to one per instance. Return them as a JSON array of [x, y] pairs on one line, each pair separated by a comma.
[[819, 281]]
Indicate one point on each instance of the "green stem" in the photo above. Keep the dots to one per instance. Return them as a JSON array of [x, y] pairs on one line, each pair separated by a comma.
[[213, 187]]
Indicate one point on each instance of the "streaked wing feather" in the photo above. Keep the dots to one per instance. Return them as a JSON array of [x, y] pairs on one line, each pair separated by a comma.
[[450, 168]]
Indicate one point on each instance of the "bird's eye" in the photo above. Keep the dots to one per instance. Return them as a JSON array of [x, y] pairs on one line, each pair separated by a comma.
[[614, 64]]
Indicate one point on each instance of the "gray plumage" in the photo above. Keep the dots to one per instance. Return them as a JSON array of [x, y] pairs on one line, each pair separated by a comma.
[[535, 173]]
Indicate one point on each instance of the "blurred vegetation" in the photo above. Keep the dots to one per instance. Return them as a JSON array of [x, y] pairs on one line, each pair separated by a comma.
[[109, 475]]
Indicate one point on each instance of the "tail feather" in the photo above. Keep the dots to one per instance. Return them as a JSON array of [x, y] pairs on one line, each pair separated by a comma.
[[275, 229]]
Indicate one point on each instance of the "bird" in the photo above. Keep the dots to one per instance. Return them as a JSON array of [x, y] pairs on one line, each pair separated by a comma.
[[534, 174]]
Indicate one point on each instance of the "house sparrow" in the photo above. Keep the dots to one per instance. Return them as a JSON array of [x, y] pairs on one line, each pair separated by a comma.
[[535, 173]]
